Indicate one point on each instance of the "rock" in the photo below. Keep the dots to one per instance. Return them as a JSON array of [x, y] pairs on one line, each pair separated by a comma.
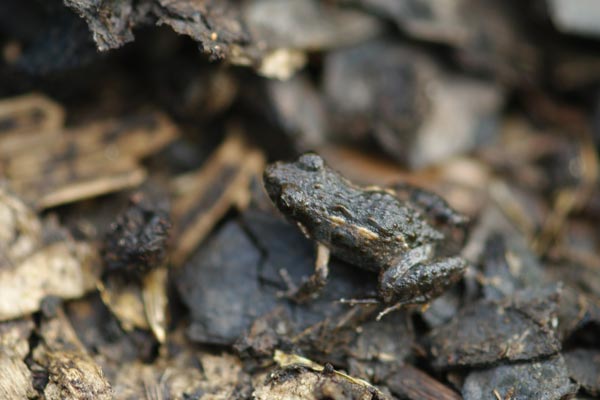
[[540, 380]]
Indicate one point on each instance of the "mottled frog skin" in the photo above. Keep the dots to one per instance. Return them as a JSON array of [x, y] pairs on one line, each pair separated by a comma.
[[367, 227]]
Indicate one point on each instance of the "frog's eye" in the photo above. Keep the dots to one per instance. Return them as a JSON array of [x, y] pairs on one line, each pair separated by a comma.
[[290, 197], [311, 162]]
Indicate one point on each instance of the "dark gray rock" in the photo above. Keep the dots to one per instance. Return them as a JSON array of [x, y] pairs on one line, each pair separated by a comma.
[[522, 327], [584, 368], [540, 380], [221, 287]]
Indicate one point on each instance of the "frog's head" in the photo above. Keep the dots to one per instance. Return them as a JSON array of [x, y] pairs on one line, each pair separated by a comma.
[[290, 183]]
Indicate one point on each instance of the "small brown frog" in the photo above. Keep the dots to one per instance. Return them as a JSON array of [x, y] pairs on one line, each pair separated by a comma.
[[369, 227]]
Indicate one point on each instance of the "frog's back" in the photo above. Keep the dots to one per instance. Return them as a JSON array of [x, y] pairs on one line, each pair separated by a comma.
[[367, 227]]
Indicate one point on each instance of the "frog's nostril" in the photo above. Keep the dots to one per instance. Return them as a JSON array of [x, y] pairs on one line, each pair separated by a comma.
[[289, 197]]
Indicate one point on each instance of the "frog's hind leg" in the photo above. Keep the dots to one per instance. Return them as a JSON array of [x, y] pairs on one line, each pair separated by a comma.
[[420, 279], [311, 287], [435, 208]]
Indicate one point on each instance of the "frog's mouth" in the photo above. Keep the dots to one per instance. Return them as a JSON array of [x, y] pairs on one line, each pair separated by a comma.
[[272, 184]]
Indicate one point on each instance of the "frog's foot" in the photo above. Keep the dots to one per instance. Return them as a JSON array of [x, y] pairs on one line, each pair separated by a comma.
[[421, 282], [388, 310], [311, 287]]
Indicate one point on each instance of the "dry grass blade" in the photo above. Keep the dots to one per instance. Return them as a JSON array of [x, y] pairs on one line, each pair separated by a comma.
[[154, 295]]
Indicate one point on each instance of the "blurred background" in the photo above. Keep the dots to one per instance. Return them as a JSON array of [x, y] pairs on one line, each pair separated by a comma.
[[493, 104]]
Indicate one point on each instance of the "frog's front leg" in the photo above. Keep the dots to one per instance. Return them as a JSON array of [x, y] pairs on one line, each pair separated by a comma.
[[311, 287], [415, 278]]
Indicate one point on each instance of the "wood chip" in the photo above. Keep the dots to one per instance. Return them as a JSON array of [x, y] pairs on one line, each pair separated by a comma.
[[28, 114], [205, 196], [412, 383], [15, 379], [62, 269], [124, 299], [71, 371], [50, 166], [32, 268]]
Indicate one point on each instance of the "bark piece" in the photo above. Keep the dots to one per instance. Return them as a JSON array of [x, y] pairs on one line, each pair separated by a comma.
[[408, 103], [39, 260], [63, 38], [51, 167], [15, 379], [73, 376], [584, 368], [301, 379], [580, 304], [214, 24], [380, 348], [60, 357], [25, 115], [65, 270], [270, 35], [509, 266], [300, 383], [519, 328], [20, 230], [389, 341], [204, 196], [177, 382], [412, 383], [267, 333], [14, 337], [222, 288], [577, 311], [542, 380], [104, 338], [192, 375]]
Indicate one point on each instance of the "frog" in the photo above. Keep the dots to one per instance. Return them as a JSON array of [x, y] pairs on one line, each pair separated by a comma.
[[369, 227]]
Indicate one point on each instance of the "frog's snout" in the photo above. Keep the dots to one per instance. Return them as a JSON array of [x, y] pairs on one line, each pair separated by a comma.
[[271, 182], [289, 197]]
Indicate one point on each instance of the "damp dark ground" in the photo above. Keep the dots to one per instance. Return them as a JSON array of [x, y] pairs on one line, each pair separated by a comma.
[[141, 258]]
